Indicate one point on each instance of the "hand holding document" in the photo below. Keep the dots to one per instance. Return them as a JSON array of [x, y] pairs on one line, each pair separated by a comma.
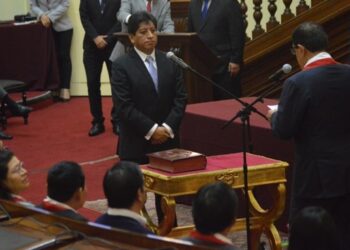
[[273, 107]]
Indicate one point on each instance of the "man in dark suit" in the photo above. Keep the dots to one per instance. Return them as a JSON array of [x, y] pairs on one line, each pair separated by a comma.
[[219, 24], [148, 91], [314, 111], [99, 19], [124, 189], [65, 190]]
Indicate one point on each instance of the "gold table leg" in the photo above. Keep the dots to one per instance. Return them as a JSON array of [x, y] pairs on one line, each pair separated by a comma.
[[168, 205], [268, 217]]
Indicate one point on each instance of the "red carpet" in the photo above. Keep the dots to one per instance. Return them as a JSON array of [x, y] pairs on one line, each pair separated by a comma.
[[59, 131]]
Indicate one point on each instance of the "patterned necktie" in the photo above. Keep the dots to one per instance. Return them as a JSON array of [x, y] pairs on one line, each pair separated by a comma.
[[149, 6], [103, 5], [152, 70], [205, 10]]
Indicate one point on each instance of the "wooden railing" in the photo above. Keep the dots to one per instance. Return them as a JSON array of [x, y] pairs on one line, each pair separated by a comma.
[[269, 30], [269, 50]]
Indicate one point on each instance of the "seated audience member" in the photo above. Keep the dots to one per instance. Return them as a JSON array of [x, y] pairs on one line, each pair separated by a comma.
[[124, 190], [214, 213], [13, 177], [65, 190], [313, 228]]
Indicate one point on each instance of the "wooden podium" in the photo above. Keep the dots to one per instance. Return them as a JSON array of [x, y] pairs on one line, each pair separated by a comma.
[[195, 53]]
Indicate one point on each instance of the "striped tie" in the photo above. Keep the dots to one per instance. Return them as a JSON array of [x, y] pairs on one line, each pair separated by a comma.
[[103, 5], [152, 71], [205, 10], [149, 6]]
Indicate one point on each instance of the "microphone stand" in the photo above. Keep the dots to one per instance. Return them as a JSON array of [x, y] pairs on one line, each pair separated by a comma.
[[244, 114]]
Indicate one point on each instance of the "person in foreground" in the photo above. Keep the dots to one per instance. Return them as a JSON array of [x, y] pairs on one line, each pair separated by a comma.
[[314, 111], [124, 189], [66, 190], [13, 177], [214, 212], [160, 9], [148, 91], [149, 96], [15, 109], [313, 228]]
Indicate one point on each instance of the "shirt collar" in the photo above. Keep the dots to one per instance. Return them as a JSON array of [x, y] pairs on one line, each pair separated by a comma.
[[319, 56], [127, 213], [223, 238], [17, 198], [59, 204], [144, 56]]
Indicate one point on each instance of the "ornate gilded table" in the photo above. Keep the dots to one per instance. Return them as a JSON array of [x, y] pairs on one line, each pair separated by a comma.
[[226, 168]]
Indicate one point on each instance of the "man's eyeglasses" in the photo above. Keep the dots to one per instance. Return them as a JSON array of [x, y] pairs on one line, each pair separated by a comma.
[[292, 49]]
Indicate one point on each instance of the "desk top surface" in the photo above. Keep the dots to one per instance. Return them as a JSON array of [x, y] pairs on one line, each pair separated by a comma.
[[224, 110], [224, 162]]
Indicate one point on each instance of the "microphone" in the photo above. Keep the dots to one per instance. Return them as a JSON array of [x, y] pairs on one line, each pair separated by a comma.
[[286, 68], [177, 60]]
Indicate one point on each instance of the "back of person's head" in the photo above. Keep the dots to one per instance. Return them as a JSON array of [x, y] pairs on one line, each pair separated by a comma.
[[122, 183], [311, 36], [140, 17], [214, 208], [64, 179], [313, 228], [5, 157]]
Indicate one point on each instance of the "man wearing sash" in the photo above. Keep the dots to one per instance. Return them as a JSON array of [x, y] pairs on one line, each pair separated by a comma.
[[314, 111]]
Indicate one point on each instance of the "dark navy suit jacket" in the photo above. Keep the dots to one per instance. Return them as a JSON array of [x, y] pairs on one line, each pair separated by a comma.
[[140, 106], [314, 110], [123, 222]]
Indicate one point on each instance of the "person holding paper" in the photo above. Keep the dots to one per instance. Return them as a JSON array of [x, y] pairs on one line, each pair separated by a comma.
[[314, 111]]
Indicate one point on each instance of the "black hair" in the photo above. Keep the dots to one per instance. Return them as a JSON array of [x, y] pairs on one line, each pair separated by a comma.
[[5, 157], [140, 17], [313, 228], [121, 184], [64, 179], [311, 36], [214, 208]]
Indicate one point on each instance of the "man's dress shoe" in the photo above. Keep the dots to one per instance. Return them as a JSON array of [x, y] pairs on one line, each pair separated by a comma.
[[4, 136], [96, 129], [24, 112]]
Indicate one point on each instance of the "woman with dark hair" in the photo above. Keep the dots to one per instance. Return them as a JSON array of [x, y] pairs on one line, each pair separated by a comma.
[[313, 228], [13, 177]]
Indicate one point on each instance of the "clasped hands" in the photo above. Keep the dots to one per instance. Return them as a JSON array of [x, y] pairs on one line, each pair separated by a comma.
[[45, 20], [160, 136], [233, 69], [100, 41]]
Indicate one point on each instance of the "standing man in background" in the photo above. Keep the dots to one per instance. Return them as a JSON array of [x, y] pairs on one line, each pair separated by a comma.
[[160, 9], [219, 24], [99, 20]]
